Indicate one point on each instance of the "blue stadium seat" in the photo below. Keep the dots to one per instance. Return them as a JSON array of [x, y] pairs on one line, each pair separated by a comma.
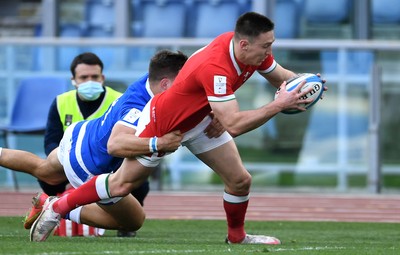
[[317, 11], [287, 19], [99, 12], [99, 18], [327, 19], [163, 18], [214, 17], [31, 106], [385, 11], [155, 19], [385, 19]]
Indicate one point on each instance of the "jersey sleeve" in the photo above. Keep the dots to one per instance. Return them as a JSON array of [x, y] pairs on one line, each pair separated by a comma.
[[217, 84], [133, 103]]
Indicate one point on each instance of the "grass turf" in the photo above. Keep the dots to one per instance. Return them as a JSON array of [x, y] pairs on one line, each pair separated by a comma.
[[207, 236]]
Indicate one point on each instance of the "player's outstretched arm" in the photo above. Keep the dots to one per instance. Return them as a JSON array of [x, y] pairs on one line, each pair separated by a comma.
[[238, 122], [124, 143]]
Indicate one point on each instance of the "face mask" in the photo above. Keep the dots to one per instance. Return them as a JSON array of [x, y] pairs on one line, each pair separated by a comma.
[[90, 90]]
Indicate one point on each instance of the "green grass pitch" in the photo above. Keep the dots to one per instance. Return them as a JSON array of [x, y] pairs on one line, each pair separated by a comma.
[[207, 237]]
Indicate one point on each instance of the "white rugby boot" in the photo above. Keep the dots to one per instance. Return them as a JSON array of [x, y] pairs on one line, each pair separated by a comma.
[[257, 239], [46, 222]]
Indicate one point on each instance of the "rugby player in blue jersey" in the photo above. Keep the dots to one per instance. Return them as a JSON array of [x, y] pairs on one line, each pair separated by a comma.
[[84, 151]]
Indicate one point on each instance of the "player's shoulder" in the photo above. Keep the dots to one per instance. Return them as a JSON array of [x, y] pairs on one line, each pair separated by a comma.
[[136, 96]]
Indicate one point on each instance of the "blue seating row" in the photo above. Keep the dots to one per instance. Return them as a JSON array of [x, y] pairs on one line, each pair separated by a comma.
[[208, 18], [166, 18]]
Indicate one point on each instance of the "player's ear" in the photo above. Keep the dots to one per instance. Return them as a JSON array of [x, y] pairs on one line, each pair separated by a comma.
[[165, 83], [73, 82], [244, 44]]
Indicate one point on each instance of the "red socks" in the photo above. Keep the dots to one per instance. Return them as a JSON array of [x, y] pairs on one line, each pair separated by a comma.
[[235, 209], [88, 193]]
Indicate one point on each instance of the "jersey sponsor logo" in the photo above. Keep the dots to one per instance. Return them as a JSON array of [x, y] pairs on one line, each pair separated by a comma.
[[153, 113], [219, 85], [132, 115]]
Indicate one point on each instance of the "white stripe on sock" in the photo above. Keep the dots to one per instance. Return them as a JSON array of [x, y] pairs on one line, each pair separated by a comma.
[[101, 186], [75, 215], [235, 199]]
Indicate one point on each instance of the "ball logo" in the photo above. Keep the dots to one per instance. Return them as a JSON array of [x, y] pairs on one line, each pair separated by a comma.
[[316, 89]]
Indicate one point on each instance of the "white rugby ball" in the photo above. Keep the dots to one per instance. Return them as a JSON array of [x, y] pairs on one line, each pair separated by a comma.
[[312, 80]]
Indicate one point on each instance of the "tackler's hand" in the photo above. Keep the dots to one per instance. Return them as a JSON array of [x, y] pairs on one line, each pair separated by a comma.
[[215, 128], [169, 142]]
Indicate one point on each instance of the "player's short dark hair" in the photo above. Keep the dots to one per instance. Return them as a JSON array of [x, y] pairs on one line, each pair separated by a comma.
[[87, 58], [252, 24], [166, 63]]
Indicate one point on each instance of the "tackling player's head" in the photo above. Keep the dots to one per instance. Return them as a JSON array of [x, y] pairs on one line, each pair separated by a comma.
[[163, 68], [166, 63]]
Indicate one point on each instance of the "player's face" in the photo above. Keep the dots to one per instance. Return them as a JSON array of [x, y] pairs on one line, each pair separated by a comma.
[[84, 72], [260, 48]]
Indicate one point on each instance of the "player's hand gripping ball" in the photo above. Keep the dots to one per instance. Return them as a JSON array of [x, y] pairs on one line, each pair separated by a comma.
[[312, 80]]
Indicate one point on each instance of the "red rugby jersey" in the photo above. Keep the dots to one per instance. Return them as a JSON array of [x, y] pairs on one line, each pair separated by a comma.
[[210, 74]]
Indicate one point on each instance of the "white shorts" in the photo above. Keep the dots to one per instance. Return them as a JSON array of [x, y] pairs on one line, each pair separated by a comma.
[[63, 156], [195, 140]]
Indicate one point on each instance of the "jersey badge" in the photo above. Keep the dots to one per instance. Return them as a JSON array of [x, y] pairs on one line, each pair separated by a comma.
[[219, 85], [132, 115]]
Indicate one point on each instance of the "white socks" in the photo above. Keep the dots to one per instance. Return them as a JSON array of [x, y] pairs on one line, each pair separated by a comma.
[[235, 199], [75, 215]]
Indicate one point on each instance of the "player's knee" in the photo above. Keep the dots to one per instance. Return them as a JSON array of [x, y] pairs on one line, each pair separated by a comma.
[[50, 181], [53, 180], [242, 184], [136, 224]]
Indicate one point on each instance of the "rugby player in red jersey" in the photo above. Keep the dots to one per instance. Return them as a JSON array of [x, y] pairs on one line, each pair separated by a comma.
[[206, 83]]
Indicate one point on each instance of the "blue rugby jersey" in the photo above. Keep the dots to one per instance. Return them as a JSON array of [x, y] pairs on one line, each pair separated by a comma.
[[88, 155]]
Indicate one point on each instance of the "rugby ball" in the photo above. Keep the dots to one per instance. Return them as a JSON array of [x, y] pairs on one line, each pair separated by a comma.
[[312, 80]]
